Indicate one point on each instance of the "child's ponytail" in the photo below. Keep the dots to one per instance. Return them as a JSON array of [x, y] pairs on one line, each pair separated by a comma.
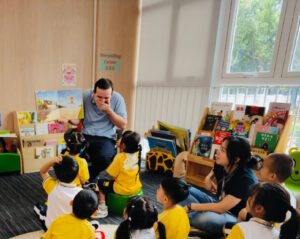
[[123, 231], [291, 228], [161, 230]]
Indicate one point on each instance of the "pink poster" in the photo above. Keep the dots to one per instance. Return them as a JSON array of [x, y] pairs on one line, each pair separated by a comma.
[[69, 74]]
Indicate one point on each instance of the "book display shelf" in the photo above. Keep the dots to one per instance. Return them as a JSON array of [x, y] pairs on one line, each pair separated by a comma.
[[197, 167], [30, 143]]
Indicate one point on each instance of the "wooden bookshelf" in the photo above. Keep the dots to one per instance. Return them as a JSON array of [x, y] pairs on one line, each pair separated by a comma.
[[197, 168]]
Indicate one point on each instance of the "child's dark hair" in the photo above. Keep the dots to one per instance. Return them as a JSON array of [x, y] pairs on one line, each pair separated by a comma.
[[132, 144], [142, 214], [282, 165], [67, 170], [276, 202], [85, 204], [75, 142], [176, 189], [239, 147]]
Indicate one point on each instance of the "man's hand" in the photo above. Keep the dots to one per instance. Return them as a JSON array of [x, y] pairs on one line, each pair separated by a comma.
[[103, 106]]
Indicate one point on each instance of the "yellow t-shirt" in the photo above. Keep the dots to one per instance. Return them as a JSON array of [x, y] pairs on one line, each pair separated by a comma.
[[236, 233], [176, 223], [49, 184], [124, 169], [83, 172], [67, 226]]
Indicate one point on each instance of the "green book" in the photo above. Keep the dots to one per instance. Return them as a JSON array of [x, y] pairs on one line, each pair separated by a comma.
[[266, 141]]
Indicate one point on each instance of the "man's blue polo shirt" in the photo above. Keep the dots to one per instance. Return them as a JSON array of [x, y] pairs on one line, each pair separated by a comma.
[[96, 122]]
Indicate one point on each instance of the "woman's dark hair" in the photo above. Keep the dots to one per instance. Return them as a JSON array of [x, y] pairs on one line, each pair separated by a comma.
[[131, 140], [176, 189], [85, 204], [75, 142], [239, 147], [141, 214], [276, 202]]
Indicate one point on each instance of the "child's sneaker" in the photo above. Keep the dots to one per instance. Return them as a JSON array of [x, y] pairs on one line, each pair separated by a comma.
[[102, 212]]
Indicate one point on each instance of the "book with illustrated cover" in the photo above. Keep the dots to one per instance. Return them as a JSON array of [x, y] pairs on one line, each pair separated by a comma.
[[27, 117], [254, 114], [210, 122], [277, 114], [32, 143], [51, 142], [55, 105], [239, 112], [214, 150], [261, 128], [222, 109], [163, 144], [55, 128], [61, 146], [27, 131], [207, 133], [266, 141], [260, 152], [202, 146], [44, 152], [41, 128], [239, 128], [222, 126], [219, 136]]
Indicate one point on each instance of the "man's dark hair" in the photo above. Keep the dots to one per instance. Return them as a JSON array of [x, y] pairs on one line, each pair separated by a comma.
[[103, 84], [282, 165], [67, 170], [85, 204], [176, 189]]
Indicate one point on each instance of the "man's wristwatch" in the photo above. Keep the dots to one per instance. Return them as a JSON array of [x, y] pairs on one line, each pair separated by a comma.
[[189, 206]]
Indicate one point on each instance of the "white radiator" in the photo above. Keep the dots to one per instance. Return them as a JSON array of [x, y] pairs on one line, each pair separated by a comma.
[[180, 106]]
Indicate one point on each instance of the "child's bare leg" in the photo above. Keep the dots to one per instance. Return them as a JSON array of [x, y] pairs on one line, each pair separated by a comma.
[[101, 197]]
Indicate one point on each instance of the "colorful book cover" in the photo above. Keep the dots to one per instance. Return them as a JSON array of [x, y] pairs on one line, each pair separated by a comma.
[[163, 144], [27, 117], [222, 109], [41, 128], [260, 152], [277, 114], [239, 128], [210, 122], [207, 133], [222, 126], [55, 128], [219, 136], [61, 146], [51, 142], [214, 150], [239, 112], [254, 114], [54, 105], [44, 152], [27, 131], [202, 145], [266, 141], [261, 128]]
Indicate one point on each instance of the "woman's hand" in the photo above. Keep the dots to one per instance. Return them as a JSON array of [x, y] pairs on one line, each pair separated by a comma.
[[209, 183]]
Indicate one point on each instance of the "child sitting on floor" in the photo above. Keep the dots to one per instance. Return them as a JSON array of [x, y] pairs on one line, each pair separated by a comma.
[[124, 171], [268, 203], [139, 215], [75, 225], [61, 191], [75, 143], [176, 222]]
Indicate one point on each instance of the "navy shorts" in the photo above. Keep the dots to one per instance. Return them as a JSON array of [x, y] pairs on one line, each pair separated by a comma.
[[106, 186]]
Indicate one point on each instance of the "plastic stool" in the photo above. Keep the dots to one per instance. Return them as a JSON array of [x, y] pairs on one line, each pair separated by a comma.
[[116, 203]]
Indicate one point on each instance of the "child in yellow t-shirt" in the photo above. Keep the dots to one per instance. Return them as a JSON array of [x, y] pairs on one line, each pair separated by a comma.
[[76, 225], [124, 171], [75, 143], [175, 219]]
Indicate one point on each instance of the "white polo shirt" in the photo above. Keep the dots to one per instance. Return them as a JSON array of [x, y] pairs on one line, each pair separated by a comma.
[[59, 197]]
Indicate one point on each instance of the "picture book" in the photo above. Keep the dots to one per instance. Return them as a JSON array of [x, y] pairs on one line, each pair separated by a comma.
[[27, 117], [60, 146], [32, 143], [222, 109], [163, 134], [163, 144], [207, 133], [222, 126], [51, 142], [54, 105], [277, 114], [239, 128], [219, 136], [214, 150], [239, 112], [27, 131], [260, 152], [41, 128], [55, 128], [261, 128], [44, 152], [266, 141], [202, 145], [254, 114], [210, 122]]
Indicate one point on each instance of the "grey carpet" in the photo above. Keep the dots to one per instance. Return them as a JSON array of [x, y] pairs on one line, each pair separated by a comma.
[[19, 193]]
